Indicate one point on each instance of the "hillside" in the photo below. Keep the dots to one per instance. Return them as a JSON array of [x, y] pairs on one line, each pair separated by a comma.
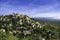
[[22, 27]]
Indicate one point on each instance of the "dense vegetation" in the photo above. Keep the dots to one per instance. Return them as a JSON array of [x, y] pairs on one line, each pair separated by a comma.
[[21, 27], [55, 23]]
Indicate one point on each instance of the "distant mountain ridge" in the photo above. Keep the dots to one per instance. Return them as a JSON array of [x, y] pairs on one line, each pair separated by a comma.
[[46, 19]]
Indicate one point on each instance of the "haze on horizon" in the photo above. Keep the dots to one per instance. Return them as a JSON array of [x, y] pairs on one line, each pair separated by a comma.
[[32, 8]]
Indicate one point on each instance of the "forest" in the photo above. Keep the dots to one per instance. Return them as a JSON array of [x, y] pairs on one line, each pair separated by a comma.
[[21, 27]]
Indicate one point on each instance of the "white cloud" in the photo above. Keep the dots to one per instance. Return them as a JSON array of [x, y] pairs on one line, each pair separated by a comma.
[[54, 15], [40, 11]]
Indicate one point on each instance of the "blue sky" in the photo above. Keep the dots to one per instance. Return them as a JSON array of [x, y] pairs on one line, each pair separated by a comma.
[[32, 8]]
